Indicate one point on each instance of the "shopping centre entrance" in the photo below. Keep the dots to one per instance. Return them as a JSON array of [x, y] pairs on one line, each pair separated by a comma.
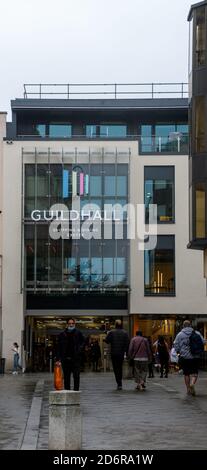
[[42, 340]]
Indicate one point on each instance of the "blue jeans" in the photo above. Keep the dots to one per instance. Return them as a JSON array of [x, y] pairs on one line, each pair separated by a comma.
[[16, 362]]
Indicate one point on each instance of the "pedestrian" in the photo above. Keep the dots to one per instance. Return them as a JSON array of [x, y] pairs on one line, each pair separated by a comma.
[[119, 341], [189, 345], [70, 346], [95, 355], [173, 359], [16, 364], [139, 350], [163, 352]]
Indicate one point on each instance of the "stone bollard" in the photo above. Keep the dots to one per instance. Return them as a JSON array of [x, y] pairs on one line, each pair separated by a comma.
[[65, 420]]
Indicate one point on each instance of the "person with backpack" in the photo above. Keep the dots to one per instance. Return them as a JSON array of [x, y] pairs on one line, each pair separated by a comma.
[[189, 344]]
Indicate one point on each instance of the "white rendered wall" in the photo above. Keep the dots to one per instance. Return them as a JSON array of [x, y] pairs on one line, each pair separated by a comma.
[[190, 285]]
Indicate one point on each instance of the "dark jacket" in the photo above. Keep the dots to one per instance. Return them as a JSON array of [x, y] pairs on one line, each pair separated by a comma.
[[78, 342], [119, 341]]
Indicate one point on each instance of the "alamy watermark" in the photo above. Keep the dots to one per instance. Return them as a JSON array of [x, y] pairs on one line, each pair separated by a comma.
[[113, 222]]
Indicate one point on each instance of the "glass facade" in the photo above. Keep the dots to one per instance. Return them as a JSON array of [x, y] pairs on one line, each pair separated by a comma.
[[106, 130], [159, 189], [69, 263], [160, 268], [53, 130], [164, 138]]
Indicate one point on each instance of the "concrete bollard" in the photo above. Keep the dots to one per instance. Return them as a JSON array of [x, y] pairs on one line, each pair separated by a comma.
[[65, 420]]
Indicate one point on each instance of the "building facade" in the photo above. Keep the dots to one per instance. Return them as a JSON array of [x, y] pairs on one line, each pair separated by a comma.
[[58, 157], [198, 127]]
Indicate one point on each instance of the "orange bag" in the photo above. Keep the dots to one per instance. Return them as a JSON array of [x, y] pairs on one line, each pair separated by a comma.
[[58, 376]]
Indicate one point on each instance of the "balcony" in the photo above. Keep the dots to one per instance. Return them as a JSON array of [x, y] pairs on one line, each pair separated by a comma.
[[175, 143]]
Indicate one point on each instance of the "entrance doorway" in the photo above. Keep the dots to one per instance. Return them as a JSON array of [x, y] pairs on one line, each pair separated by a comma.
[[42, 341]]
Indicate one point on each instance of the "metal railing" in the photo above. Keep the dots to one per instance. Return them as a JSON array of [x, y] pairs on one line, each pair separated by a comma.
[[177, 143], [109, 90]]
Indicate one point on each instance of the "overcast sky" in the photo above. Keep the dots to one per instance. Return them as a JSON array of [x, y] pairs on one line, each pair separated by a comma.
[[65, 41]]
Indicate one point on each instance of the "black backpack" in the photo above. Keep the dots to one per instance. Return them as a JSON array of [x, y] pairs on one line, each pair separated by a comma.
[[196, 344]]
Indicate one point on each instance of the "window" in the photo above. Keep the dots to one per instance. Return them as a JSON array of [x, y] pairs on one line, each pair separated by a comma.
[[30, 252], [200, 37], [200, 210], [200, 123], [60, 130], [159, 264], [106, 130], [95, 185], [40, 129], [164, 138], [113, 130], [159, 189], [92, 130]]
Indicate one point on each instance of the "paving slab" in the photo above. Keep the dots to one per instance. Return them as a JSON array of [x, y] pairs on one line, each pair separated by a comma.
[[162, 417]]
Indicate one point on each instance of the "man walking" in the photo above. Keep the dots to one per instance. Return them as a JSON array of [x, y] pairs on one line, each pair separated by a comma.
[[189, 345], [70, 345], [119, 341]]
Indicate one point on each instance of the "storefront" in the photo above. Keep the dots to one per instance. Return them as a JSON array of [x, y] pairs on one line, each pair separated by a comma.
[[42, 339]]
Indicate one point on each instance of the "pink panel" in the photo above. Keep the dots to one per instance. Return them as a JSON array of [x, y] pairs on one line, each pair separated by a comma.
[[81, 183]]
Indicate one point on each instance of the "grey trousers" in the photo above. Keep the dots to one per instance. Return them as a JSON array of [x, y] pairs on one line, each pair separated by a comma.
[[140, 371]]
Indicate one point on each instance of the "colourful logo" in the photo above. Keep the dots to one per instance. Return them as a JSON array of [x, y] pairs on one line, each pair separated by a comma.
[[74, 183]]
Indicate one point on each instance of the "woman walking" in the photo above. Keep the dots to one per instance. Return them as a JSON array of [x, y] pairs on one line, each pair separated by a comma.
[[139, 350], [163, 351]]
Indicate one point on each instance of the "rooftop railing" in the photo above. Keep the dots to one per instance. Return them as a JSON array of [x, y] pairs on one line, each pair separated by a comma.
[[105, 90]]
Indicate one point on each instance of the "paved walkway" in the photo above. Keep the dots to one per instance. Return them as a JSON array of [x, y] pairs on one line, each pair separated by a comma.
[[162, 417]]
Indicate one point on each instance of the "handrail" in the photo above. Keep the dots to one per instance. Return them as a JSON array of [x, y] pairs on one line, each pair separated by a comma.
[[66, 90]]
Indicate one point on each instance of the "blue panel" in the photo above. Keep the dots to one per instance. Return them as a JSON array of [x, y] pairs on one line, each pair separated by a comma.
[[65, 183]]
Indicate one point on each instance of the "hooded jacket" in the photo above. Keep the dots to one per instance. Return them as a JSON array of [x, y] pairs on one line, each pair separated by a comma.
[[182, 343]]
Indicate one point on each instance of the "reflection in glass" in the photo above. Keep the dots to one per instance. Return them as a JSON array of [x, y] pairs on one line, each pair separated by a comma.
[[159, 190], [160, 268]]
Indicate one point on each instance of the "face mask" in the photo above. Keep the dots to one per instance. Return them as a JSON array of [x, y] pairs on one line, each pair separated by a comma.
[[71, 328]]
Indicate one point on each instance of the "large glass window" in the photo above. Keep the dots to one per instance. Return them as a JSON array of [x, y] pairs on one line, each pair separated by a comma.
[[29, 189], [159, 189], [68, 264], [200, 123], [200, 37], [160, 268], [113, 130], [164, 138], [60, 130], [40, 129], [106, 130], [42, 252], [95, 185], [29, 235], [200, 210]]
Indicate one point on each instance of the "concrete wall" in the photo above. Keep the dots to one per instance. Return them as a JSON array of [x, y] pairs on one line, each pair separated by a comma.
[[2, 135], [12, 298]]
